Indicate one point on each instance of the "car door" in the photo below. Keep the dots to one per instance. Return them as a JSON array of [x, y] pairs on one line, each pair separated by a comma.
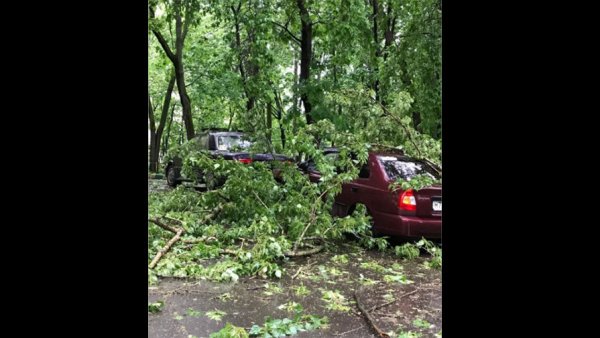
[[363, 190]]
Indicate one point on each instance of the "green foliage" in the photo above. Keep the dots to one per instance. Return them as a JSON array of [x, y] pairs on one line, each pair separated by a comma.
[[417, 182], [340, 259], [215, 315], [407, 251], [156, 306], [421, 323], [301, 290], [291, 307], [436, 253], [230, 331], [288, 327], [193, 313], [335, 301]]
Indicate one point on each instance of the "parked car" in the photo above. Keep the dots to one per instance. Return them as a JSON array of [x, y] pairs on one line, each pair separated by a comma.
[[228, 145], [405, 213]]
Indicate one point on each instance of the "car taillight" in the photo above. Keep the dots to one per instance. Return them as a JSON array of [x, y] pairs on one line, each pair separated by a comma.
[[245, 160], [407, 201]]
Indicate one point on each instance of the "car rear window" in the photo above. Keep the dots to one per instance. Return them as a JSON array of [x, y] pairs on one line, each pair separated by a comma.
[[405, 168], [232, 142]]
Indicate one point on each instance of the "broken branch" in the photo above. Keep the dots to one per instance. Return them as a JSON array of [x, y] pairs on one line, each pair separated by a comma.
[[370, 319], [393, 301], [163, 225], [166, 248]]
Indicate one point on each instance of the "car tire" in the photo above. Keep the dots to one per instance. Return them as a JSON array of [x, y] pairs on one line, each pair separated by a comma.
[[173, 174], [211, 181]]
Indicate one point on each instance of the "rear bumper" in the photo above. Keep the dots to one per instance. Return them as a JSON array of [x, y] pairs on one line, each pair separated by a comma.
[[407, 226]]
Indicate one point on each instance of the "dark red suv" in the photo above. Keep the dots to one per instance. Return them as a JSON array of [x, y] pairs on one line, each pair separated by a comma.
[[405, 213]]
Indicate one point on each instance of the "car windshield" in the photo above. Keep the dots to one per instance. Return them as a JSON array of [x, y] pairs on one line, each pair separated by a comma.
[[229, 142], [330, 157], [399, 167]]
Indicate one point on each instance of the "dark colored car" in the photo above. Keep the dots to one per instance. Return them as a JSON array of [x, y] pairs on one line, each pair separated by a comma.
[[228, 145], [405, 213]]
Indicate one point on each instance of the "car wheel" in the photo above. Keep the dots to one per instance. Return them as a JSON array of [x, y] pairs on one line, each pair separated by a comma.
[[173, 174], [211, 181]]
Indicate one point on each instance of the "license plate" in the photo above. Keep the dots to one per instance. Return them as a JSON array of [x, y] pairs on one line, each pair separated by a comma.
[[437, 206]]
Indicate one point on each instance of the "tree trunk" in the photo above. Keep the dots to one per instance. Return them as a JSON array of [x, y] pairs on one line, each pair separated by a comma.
[[157, 137], [177, 60], [375, 5], [180, 73], [152, 166], [250, 69], [166, 141], [305, 58], [416, 117], [269, 120], [279, 118]]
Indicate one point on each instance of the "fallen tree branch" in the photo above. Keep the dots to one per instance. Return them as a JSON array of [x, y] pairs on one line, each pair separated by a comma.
[[174, 219], [229, 251], [392, 301], [297, 253], [313, 218], [198, 240], [166, 248], [178, 232], [370, 319], [163, 225]]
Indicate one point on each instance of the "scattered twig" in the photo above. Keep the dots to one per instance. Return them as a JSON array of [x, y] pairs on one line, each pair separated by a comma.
[[392, 301], [343, 333], [302, 267], [370, 319]]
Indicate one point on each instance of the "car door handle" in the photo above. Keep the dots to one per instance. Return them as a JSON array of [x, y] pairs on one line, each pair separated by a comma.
[[354, 189]]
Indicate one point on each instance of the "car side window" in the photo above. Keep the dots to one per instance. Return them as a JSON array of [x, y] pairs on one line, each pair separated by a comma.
[[365, 171]]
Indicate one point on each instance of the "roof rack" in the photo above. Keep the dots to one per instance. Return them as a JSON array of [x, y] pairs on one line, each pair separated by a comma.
[[220, 129]]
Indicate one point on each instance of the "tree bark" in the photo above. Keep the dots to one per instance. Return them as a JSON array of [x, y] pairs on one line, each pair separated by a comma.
[[157, 137], [375, 5], [246, 67], [279, 118], [269, 120], [166, 142], [305, 58], [176, 58], [152, 166]]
